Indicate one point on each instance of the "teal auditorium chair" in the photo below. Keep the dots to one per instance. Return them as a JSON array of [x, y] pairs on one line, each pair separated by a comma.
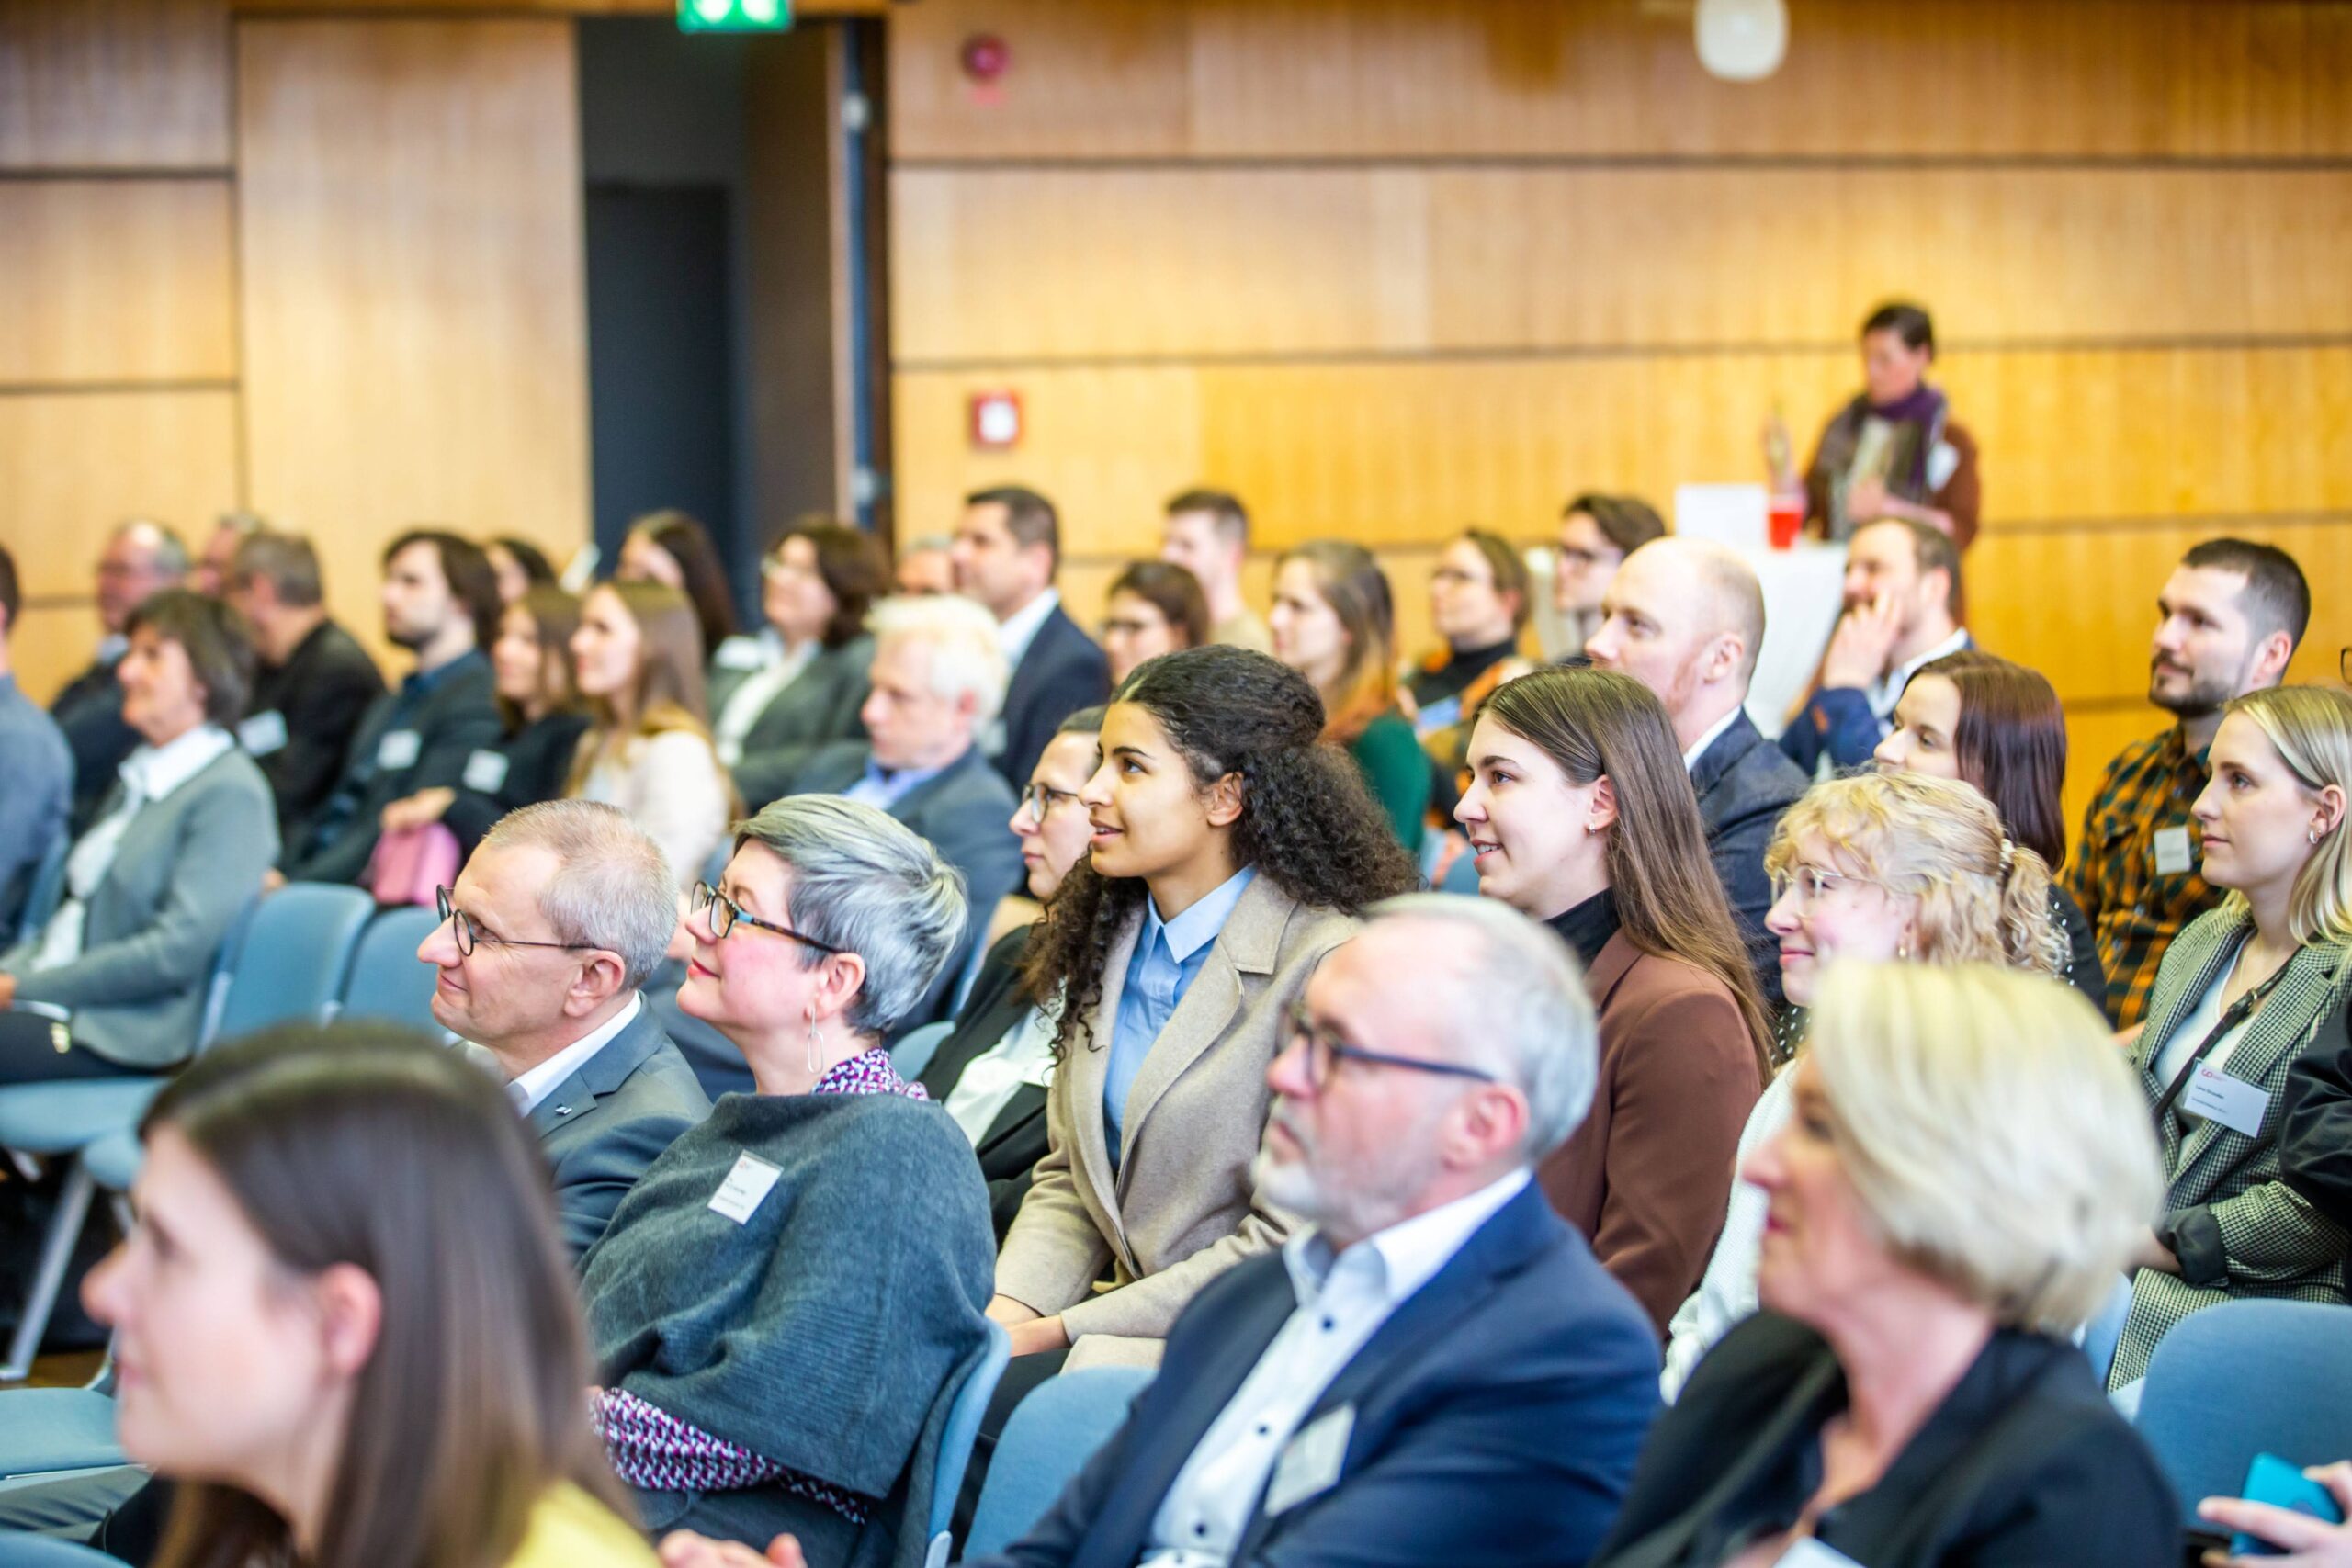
[[285, 961], [46, 891], [2247, 1377], [1046, 1441], [21, 1551], [956, 1441], [387, 981]]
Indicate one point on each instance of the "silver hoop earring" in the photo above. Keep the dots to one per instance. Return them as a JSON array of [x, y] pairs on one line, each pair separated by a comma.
[[816, 1048]]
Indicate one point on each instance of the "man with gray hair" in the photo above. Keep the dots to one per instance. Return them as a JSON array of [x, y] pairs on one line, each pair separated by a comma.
[[563, 912], [1316, 1405], [141, 556]]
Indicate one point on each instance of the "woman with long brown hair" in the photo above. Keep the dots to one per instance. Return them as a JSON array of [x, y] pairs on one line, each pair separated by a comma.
[[1152, 607], [1581, 815], [650, 752], [1335, 622], [342, 1318]]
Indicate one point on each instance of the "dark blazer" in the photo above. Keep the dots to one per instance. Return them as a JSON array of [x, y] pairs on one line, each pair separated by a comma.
[[2315, 1128], [321, 694], [538, 763], [89, 710], [2024, 1463], [822, 704], [605, 1123], [1061, 672], [2084, 970], [1016, 1139], [1744, 783], [1498, 1413]]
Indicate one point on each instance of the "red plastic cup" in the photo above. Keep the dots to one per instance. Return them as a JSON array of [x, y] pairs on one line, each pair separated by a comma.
[[1784, 521]]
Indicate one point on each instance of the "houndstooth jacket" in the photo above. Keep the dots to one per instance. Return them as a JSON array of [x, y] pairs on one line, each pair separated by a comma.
[[2239, 1230]]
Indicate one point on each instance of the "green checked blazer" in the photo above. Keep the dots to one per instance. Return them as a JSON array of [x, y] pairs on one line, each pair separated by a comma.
[[2239, 1230]]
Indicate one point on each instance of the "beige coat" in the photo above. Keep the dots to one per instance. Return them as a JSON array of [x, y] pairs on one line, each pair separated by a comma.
[[1181, 1207]]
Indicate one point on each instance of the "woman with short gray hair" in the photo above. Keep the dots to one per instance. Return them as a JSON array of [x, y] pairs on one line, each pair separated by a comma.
[[785, 1301]]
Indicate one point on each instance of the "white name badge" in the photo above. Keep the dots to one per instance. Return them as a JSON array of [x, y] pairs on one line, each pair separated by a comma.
[[2172, 852], [2233, 1102], [1810, 1553], [740, 653], [398, 749], [486, 771], [263, 733], [746, 1188], [1310, 1461]]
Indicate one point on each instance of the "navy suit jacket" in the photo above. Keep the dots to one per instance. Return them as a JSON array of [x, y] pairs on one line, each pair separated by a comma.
[[1061, 672], [605, 1123], [1497, 1415], [1744, 783]]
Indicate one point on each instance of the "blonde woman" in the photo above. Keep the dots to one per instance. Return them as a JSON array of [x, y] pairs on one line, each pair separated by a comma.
[[639, 658], [2237, 1000], [1879, 867], [1965, 1171]]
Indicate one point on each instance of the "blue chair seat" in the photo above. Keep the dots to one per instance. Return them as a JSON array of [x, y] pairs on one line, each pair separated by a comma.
[[21, 1551], [113, 1161], [1046, 1441], [59, 1118], [2247, 1377], [45, 1429]]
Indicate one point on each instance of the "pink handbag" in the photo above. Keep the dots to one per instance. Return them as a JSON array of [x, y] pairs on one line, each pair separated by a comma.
[[411, 865]]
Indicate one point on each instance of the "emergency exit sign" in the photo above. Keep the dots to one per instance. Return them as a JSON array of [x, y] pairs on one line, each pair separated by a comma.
[[734, 16]]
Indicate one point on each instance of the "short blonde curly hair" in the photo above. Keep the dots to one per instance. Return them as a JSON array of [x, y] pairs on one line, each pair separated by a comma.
[[1997, 1138]]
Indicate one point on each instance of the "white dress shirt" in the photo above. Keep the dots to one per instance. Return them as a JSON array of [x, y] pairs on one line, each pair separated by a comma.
[[148, 774], [1018, 630], [1889, 690], [990, 1080], [1342, 1302], [536, 1083]]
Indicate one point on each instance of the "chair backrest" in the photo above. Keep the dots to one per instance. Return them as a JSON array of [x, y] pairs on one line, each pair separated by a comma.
[[18, 1550], [47, 888], [916, 1047], [963, 1429], [387, 980], [1045, 1443], [224, 969], [295, 953], [2243, 1378]]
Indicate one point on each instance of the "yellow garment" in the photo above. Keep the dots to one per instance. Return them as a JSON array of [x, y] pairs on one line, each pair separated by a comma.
[[571, 1529]]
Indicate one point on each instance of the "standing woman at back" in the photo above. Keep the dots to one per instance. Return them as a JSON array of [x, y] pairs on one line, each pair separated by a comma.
[[639, 661]]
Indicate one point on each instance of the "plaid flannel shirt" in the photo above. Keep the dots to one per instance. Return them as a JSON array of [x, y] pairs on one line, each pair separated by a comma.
[[2135, 910]]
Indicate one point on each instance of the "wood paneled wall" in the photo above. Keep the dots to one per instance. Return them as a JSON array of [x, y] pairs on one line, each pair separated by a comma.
[[1387, 267]]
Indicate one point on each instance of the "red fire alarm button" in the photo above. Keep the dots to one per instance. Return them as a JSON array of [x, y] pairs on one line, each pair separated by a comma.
[[996, 421]]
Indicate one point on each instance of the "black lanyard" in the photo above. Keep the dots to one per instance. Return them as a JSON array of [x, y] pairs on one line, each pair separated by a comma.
[[2236, 1013]]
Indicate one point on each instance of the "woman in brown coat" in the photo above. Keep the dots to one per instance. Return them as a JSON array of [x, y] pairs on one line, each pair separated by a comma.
[[1581, 815]]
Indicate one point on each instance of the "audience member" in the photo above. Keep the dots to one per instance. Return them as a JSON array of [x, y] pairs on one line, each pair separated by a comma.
[[141, 558], [1335, 622], [1894, 451], [314, 683], [1685, 617], [2315, 1121], [1872, 868], [1962, 1176], [815, 588], [994, 1066], [1597, 533], [519, 566], [926, 566], [1230, 853], [1207, 534], [1153, 608], [1478, 602], [675, 550], [2301, 1541], [1488, 1382], [1902, 611], [342, 1318], [1999, 728], [1581, 817], [2240, 995], [1008, 551], [539, 709], [209, 573], [2227, 622], [441, 604], [37, 766], [638, 662], [783, 1303], [114, 982]]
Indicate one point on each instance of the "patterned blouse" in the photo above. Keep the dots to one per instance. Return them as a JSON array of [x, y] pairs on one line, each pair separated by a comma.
[[651, 1449]]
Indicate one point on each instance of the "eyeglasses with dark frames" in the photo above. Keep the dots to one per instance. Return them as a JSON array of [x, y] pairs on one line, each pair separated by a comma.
[[1038, 799], [725, 915], [1326, 1050], [470, 935]]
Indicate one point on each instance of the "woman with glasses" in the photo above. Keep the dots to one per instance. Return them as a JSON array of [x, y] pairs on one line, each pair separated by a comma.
[[800, 684], [1154, 607], [1479, 600], [994, 1066], [1873, 869], [1581, 815], [785, 1300]]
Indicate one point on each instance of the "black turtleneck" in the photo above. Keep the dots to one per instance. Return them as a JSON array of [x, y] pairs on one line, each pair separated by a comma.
[[1465, 665], [1587, 927]]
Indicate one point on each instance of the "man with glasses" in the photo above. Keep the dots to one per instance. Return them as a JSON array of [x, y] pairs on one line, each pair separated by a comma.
[[141, 558], [562, 913]]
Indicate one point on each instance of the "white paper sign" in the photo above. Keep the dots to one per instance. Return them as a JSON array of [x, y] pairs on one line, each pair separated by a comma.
[[398, 749], [746, 1187], [263, 733], [1310, 1461], [2233, 1102], [2172, 852], [1729, 514], [485, 772]]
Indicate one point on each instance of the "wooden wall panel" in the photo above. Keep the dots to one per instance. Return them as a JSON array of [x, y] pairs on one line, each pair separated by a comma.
[[73, 464], [1430, 78], [413, 299], [116, 280], [114, 83], [51, 644]]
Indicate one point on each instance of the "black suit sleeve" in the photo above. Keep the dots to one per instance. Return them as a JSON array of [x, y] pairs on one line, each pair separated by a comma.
[[323, 716], [2315, 1136]]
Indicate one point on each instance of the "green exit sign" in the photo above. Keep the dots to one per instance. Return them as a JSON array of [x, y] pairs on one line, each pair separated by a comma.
[[734, 16]]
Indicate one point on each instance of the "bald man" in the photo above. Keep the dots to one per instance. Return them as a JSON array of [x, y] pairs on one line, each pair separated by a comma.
[[1685, 617], [141, 556]]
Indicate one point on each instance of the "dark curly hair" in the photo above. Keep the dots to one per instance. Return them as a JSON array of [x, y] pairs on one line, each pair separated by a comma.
[[1307, 821]]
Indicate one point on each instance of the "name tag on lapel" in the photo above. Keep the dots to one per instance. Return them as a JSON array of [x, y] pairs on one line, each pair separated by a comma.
[[746, 1188], [398, 749], [263, 733], [2172, 852], [1310, 1461], [2233, 1102], [485, 772]]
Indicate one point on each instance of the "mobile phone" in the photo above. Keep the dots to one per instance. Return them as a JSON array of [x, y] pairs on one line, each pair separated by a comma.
[[2272, 1480]]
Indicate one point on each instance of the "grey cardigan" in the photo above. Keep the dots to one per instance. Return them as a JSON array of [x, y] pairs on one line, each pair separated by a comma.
[[187, 867]]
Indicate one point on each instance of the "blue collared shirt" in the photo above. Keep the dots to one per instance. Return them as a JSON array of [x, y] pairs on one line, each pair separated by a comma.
[[1168, 956], [885, 787]]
